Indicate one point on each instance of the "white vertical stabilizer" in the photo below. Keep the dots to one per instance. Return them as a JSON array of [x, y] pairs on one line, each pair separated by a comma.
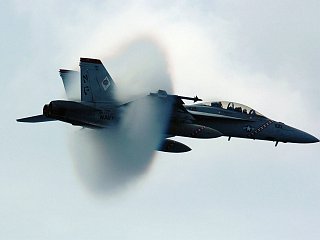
[[71, 82]]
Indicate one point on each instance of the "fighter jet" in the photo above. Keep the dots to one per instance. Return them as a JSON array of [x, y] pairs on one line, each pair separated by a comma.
[[98, 108]]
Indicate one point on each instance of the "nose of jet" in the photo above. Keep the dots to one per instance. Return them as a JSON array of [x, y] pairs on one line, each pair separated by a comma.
[[308, 138], [299, 136]]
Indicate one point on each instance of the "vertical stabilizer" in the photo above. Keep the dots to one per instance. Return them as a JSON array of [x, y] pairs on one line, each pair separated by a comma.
[[71, 82], [96, 83]]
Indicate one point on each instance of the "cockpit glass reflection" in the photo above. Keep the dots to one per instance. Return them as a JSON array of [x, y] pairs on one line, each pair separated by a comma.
[[232, 106]]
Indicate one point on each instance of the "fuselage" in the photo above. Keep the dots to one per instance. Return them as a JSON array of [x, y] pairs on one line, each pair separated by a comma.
[[106, 115], [209, 120], [91, 115], [236, 120]]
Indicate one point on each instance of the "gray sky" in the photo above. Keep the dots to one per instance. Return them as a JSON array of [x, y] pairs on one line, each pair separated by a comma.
[[264, 54]]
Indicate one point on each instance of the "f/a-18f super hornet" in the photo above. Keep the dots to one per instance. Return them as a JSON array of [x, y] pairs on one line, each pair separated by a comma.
[[98, 108]]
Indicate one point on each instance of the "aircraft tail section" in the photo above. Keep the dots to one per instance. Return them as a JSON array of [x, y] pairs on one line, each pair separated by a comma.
[[35, 119], [71, 82], [96, 83]]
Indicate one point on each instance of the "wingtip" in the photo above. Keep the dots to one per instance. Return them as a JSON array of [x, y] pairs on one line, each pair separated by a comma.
[[66, 70]]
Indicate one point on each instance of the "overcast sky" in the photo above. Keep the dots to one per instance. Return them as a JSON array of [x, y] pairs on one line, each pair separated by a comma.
[[264, 54]]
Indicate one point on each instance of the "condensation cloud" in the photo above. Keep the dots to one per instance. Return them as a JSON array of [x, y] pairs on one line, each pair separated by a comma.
[[108, 160]]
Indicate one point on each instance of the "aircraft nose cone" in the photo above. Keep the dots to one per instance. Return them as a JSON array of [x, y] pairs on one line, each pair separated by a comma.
[[310, 139], [303, 137], [314, 139]]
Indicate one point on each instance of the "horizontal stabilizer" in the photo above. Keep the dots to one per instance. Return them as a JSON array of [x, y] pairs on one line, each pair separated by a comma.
[[35, 119]]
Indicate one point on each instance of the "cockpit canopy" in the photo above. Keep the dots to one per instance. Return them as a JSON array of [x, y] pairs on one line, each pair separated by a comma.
[[232, 106]]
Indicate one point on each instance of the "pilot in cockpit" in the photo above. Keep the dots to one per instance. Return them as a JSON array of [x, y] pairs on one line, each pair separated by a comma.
[[216, 104], [238, 109], [252, 112]]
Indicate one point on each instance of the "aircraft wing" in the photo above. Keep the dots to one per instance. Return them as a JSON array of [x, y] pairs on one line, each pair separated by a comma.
[[179, 113], [35, 119]]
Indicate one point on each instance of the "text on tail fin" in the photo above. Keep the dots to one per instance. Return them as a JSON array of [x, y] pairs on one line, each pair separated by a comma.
[[96, 83]]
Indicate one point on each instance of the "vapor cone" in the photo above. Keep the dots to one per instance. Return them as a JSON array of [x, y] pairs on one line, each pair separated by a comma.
[[112, 158]]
